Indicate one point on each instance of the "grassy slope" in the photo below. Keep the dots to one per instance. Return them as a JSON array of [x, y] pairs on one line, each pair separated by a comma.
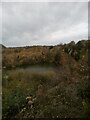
[[64, 94]]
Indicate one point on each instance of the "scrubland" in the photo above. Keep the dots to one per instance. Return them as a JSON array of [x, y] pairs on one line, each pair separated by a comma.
[[63, 93]]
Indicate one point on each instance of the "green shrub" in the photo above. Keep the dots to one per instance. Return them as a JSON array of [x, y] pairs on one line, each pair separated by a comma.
[[84, 90]]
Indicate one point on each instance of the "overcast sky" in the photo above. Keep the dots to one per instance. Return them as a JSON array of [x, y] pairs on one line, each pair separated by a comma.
[[27, 24]]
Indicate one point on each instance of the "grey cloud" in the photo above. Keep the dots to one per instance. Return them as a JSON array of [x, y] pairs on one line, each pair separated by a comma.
[[0, 23], [41, 23]]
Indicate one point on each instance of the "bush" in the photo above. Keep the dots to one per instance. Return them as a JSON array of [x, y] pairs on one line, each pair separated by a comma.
[[84, 90]]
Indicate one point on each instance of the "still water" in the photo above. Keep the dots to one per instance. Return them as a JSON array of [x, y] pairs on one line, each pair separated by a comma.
[[36, 68]]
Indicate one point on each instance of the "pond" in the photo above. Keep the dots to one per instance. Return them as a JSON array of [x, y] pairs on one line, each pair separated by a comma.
[[35, 68]]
